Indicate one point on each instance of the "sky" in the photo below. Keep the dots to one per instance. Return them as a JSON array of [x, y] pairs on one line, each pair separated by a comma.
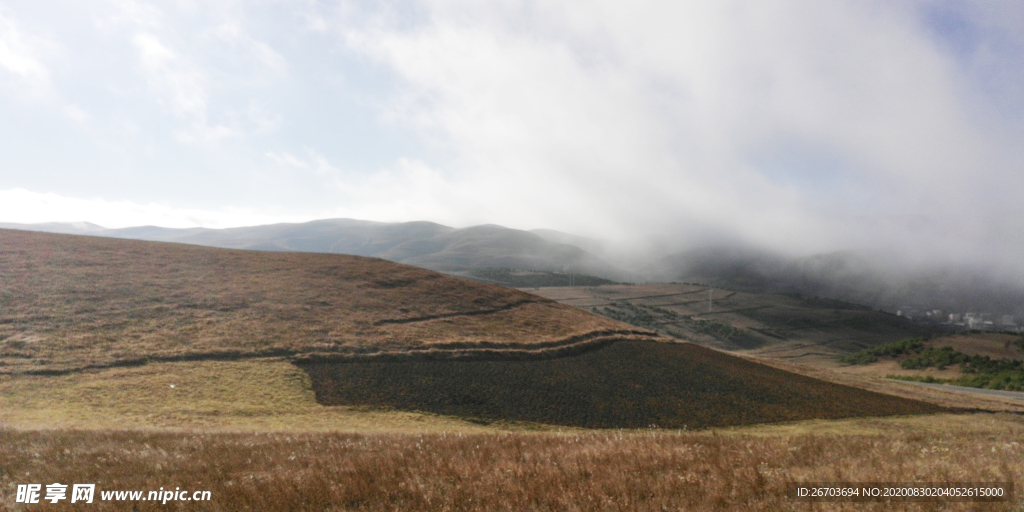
[[799, 126]]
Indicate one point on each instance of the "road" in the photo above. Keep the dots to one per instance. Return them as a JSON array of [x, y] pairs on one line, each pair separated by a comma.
[[995, 392]]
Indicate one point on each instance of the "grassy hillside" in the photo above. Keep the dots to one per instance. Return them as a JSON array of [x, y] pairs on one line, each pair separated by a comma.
[[371, 333], [71, 302]]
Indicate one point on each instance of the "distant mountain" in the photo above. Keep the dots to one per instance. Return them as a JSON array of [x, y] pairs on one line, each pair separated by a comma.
[[73, 228], [487, 252], [342, 236], [423, 244]]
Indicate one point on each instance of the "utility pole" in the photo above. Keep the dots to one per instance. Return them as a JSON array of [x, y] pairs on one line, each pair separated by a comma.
[[710, 290]]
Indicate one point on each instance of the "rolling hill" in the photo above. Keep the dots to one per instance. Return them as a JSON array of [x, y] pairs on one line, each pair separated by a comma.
[[370, 332], [71, 302], [496, 254], [423, 244]]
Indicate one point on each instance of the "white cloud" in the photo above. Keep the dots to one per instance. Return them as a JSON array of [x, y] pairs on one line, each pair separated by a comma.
[[287, 160], [180, 87], [20, 59], [409, 190], [314, 163], [778, 122], [178, 82], [233, 33], [23, 206], [77, 113], [133, 13]]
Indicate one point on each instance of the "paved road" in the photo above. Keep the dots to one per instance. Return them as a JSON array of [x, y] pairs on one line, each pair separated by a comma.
[[996, 392]]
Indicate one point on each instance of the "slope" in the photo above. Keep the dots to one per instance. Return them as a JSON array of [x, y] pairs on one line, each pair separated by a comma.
[[70, 302], [788, 325], [371, 333]]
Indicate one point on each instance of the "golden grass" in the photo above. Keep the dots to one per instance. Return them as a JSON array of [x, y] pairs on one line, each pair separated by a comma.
[[269, 395], [72, 302], [609, 470], [252, 433]]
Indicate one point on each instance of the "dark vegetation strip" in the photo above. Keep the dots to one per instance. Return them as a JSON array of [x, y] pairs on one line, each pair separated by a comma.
[[506, 307], [618, 302], [739, 310], [572, 340], [768, 332], [629, 384], [661, 295], [805, 354], [612, 300], [894, 349], [683, 303], [226, 355], [492, 354], [448, 351]]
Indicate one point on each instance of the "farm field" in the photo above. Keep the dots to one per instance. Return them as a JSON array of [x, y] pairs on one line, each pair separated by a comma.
[[781, 326]]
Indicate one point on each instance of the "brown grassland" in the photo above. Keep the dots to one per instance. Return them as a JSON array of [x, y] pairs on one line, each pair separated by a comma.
[[136, 365], [745, 469], [71, 302], [377, 334]]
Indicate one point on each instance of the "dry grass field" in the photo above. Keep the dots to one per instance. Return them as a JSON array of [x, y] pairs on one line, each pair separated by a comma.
[[71, 302], [250, 394], [742, 469]]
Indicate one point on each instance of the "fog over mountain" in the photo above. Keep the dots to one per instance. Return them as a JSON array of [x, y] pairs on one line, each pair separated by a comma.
[[884, 134], [476, 252]]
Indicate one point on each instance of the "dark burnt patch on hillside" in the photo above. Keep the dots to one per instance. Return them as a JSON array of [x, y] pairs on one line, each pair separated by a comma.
[[626, 384]]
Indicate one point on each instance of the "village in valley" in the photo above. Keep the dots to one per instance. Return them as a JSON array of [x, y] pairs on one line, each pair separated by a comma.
[[972, 321]]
